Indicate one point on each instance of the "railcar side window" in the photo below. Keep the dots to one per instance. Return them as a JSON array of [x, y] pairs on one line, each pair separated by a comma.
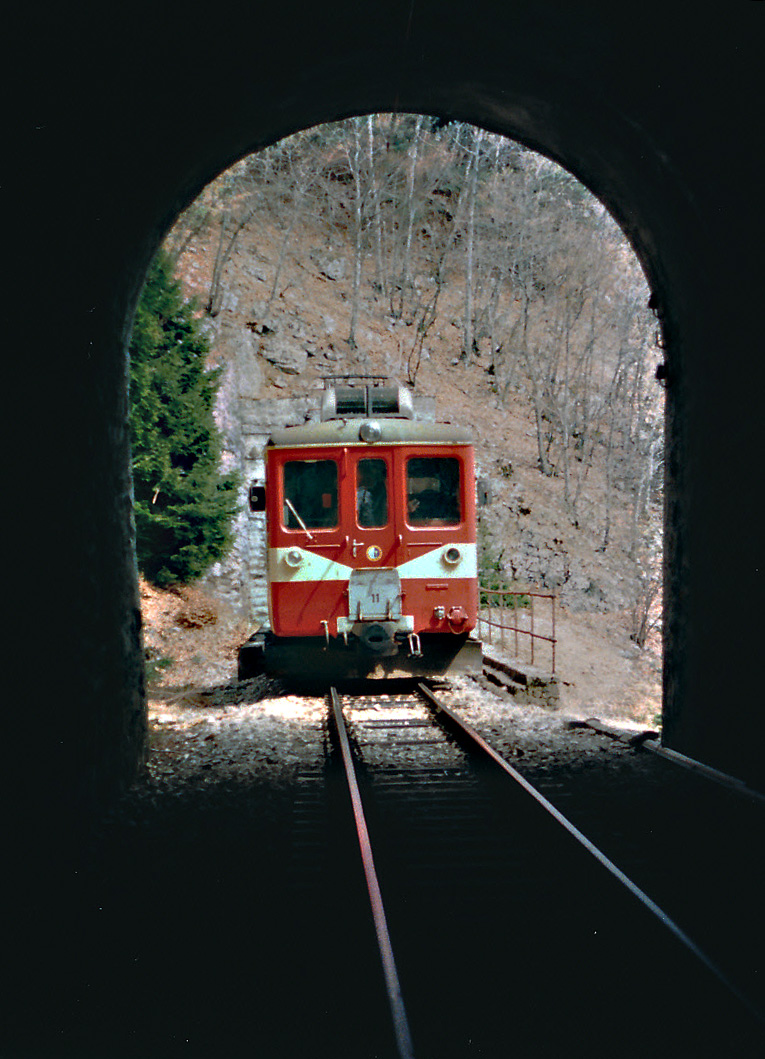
[[372, 493], [433, 491], [310, 494]]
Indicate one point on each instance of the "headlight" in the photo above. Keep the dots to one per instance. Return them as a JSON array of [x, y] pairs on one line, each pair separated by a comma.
[[294, 557], [370, 430], [452, 556]]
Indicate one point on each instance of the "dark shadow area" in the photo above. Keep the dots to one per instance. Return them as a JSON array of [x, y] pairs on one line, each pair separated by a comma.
[[233, 917], [189, 929], [690, 843]]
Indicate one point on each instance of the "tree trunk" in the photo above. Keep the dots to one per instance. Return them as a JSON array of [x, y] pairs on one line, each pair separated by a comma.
[[468, 339], [380, 281], [221, 260], [410, 211], [355, 163], [279, 266]]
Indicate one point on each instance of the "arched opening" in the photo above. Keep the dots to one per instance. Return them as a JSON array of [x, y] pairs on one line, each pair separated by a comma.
[[488, 280], [617, 183]]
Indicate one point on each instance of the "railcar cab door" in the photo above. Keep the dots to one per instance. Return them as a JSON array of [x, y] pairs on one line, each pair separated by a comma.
[[372, 540]]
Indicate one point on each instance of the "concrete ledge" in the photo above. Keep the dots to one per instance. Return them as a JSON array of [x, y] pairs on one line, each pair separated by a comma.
[[525, 682]]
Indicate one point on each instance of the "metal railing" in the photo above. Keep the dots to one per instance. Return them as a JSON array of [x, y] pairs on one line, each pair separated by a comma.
[[517, 604]]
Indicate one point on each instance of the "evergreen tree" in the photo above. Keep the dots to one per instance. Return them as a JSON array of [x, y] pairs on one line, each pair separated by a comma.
[[184, 506]]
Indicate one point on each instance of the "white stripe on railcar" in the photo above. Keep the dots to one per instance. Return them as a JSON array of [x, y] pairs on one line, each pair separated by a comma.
[[433, 564], [315, 567]]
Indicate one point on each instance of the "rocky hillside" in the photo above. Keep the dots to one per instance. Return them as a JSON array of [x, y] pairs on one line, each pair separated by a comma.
[[280, 340]]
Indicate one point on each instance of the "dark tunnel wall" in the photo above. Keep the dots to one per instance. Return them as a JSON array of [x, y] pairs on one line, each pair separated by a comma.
[[120, 116]]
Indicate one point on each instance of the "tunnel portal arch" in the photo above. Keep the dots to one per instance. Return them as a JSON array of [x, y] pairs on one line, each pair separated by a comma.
[[625, 110], [242, 578]]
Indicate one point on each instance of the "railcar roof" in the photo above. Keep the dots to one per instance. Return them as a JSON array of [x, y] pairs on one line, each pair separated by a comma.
[[393, 432]]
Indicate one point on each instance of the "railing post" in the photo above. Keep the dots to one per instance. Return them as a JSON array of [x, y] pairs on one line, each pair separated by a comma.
[[553, 633], [486, 617]]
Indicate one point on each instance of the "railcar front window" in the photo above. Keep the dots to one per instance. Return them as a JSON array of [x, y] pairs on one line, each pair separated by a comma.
[[433, 491], [372, 493], [310, 494]]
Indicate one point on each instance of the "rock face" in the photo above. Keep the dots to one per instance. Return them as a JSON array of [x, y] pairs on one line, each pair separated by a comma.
[[331, 266], [285, 353], [249, 371], [530, 547]]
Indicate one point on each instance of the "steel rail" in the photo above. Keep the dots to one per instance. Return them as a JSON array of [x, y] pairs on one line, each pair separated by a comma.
[[467, 733], [392, 984]]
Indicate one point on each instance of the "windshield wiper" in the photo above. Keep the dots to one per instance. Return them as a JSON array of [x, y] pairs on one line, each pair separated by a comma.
[[303, 526]]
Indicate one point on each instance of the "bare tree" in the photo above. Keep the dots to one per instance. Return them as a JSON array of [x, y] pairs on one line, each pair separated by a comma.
[[236, 204], [191, 224], [471, 181], [298, 177], [411, 206], [354, 161], [377, 221], [230, 230]]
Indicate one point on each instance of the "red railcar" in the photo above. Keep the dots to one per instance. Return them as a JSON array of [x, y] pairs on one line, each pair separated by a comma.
[[371, 535]]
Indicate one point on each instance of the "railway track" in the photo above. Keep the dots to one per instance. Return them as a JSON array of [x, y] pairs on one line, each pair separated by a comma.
[[232, 917], [491, 911]]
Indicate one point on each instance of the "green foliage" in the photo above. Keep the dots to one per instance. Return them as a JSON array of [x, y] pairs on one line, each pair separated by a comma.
[[491, 575], [183, 505], [154, 666]]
